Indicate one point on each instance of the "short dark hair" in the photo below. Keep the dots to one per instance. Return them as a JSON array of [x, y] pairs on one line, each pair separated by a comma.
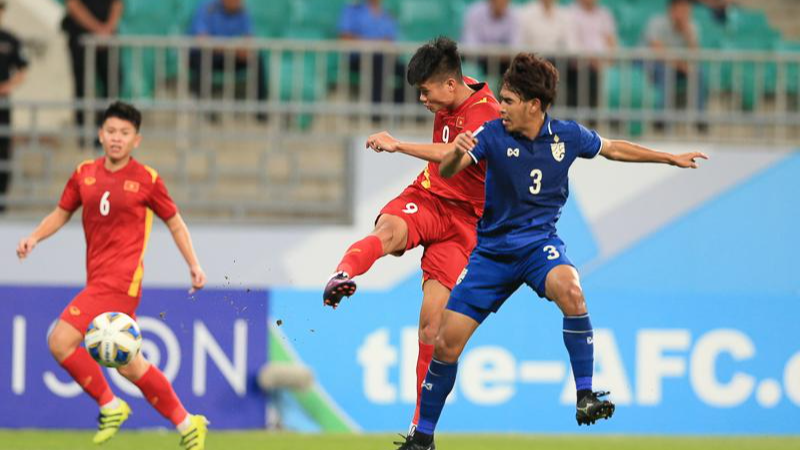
[[677, 2], [437, 58], [531, 77], [124, 111]]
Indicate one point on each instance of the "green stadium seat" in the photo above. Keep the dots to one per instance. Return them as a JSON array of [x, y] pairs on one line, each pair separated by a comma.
[[422, 20], [320, 14], [642, 94]]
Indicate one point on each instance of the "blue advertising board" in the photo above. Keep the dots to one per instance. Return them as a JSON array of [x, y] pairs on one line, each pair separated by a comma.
[[210, 345], [694, 332]]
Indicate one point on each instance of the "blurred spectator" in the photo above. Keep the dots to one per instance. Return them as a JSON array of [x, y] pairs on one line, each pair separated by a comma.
[[721, 10], [223, 19], [367, 20], [100, 18], [490, 22], [545, 27], [676, 30], [596, 32], [12, 72]]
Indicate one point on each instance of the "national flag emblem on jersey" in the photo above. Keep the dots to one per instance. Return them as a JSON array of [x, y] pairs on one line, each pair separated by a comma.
[[558, 150], [131, 186], [460, 122], [89, 181]]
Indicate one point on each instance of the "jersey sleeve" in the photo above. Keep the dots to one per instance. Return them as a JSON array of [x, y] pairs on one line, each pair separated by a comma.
[[160, 201], [478, 153], [590, 142], [71, 196]]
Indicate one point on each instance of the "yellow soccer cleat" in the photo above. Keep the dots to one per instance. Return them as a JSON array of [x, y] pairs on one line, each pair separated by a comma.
[[110, 420], [195, 437]]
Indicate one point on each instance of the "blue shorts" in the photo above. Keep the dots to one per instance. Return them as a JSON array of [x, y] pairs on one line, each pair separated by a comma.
[[490, 279]]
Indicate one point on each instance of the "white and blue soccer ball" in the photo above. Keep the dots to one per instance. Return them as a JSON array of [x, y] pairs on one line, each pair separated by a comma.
[[113, 339]]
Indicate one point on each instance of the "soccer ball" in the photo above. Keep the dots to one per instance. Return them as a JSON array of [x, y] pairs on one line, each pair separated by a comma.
[[113, 339]]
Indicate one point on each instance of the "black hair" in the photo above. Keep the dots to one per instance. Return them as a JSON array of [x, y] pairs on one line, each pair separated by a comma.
[[437, 58], [531, 77], [124, 111]]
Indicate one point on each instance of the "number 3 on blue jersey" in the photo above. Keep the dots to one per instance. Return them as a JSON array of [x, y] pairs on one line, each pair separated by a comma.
[[552, 253], [536, 176]]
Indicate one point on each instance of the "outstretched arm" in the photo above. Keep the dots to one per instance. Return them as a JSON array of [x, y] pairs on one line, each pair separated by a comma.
[[49, 225], [629, 152], [180, 233], [385, 142], [457, 159]]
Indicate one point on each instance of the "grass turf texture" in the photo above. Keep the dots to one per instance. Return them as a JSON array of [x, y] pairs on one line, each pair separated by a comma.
[[133, 440]]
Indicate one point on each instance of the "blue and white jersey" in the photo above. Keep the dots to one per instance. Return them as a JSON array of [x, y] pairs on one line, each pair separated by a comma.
[[527, 180]]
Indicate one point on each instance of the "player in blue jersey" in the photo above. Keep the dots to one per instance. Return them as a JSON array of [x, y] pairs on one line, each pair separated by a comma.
[[528, 155]]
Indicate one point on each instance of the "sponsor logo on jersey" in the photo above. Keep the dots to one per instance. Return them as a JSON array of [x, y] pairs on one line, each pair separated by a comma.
[[131, 186], [89, 181], [558, 149], [512, 152]]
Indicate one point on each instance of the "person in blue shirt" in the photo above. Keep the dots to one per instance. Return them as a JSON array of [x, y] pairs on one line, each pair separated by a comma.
[[528, 155], [223, 19], [368, 21]]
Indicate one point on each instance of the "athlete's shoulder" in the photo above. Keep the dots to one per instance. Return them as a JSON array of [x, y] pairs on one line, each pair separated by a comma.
[[88, 165], [145, 172], [564, 127], [492, 128]]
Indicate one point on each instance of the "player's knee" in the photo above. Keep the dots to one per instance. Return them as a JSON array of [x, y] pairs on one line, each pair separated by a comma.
[[573, 301], [428, 331], [59, 347], [446, 350]]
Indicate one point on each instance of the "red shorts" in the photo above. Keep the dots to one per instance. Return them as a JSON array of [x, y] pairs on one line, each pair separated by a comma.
[[92, 301], [447, 230]]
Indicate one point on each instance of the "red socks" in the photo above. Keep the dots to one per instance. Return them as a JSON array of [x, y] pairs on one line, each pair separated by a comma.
[[361, 255], [157, 390], [87, 373], [423, 361]]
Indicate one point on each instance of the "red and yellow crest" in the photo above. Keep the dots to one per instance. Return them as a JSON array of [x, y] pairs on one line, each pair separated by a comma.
[[89, 181], [131, 186]]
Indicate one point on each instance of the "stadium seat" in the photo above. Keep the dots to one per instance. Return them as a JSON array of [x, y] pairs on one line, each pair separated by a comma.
[[422, 20], [641, 92]]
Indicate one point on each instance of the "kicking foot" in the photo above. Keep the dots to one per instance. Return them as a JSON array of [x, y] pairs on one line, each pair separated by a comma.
[[339, 285]]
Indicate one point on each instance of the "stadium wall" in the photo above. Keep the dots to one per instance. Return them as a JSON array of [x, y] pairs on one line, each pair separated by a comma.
[[690, 276]]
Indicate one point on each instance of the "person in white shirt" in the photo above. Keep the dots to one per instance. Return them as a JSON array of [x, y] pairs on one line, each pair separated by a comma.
[[545, 27], [596, 31]]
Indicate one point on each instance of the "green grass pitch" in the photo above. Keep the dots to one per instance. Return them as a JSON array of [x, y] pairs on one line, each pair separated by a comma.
[[156, 440]]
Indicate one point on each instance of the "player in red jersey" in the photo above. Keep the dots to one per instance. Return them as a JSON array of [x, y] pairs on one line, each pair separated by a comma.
[[437, 213], [119, 197]]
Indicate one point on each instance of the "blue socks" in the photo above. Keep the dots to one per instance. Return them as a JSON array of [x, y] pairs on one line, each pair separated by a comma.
[[437, 386], [579, 339]]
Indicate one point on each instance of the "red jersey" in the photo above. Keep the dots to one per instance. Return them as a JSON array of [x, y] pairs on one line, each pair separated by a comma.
[[118, 212], [468, 185]]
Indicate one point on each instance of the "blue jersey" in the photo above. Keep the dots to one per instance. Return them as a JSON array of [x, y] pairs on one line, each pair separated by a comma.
[[527, 181]]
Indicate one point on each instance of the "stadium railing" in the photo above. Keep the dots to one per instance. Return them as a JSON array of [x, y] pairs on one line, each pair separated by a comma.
[[228, 156], [639, 91]]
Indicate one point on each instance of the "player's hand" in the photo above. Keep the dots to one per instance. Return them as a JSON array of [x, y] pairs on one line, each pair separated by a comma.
[[465, 142], [382, 142], [198, 278], [688, 160], [25, 247]]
